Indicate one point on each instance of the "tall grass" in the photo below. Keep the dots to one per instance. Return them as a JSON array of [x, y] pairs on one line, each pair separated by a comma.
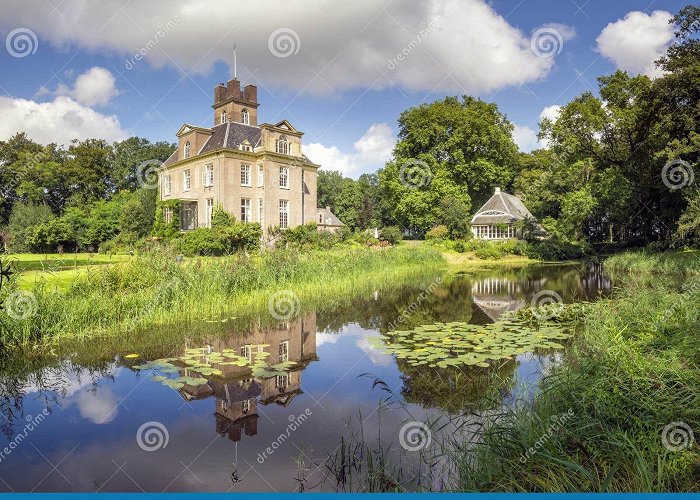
[[155, 289], [676, 263], [633, 370]]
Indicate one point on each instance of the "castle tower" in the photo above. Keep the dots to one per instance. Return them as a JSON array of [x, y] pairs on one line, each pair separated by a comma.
[[235, 105]]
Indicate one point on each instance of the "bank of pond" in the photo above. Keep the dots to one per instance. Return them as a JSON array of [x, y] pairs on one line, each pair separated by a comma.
[[358, 371]]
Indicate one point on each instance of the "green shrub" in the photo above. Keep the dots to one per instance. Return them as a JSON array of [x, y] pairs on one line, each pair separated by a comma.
[[392, 234], [240, 236], [555, 250], [200, 241], [220, 218], [438, 233]]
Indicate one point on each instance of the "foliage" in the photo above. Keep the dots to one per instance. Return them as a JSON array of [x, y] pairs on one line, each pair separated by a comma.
[[160, 227], [24, 220], [391, 234], [454, 214], [438, 233]]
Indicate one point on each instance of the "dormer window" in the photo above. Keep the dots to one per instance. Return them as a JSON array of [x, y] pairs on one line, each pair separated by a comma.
[[282, 145], [223, 118], [187, 149], [245, 117]]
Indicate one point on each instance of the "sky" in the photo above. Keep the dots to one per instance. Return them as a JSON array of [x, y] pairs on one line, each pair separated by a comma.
[[341, 72]]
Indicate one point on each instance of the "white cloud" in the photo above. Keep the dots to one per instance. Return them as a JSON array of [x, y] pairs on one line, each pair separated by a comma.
[[636, 41], [551, 112], [371, 151], [59, 121], [446, 45], [526, 137], [95, 87]]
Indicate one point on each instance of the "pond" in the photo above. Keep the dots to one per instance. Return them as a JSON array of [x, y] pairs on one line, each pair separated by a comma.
[[73, 427]]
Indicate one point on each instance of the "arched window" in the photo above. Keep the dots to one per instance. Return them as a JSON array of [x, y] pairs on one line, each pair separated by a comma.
[[245, 118], [283, 145], [223, 117], [187, 149]]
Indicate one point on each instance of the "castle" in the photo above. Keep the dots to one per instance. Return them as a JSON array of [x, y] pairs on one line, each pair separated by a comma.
[[258, 173]]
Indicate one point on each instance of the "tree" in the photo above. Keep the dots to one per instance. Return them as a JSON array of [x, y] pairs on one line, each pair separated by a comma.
[[126, 157], [455, 215], [24, 219], [470, 139]]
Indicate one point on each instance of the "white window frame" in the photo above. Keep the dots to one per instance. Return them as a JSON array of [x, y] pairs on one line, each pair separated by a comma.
[[245, 117], [245, 210], [186, 180], [245, 175], [261, 211], [282, 381], [284, 214], [282, 145], [283, 351], [224, 118], [261, 176], [187, 149], [247, 353], [210, 211], [209, 175], [168, 215], [167, 185], [284, 177]]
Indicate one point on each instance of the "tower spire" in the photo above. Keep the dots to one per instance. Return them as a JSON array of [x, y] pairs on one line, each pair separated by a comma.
[[235, 72]]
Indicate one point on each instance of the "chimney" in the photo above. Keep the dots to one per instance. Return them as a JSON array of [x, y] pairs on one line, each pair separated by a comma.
[[498, 190], [219, 93], [250, 93], [233, 89]]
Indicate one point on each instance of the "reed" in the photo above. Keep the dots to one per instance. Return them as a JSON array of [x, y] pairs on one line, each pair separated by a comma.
[[155, 289]]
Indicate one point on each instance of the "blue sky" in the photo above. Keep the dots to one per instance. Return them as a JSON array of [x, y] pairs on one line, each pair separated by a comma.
[[68, 69]]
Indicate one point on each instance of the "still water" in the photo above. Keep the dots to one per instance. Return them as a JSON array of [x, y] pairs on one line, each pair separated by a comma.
[[77, 428]]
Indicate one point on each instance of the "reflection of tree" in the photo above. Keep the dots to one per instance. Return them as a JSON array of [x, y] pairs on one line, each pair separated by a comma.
[[457, 389]]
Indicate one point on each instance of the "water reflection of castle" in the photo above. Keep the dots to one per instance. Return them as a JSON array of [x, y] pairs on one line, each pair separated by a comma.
[[237, 393], [497, 296]]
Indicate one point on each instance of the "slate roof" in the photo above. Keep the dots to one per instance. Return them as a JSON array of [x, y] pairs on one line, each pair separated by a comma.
[[329, 218], [509, 209], [228, 135]]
